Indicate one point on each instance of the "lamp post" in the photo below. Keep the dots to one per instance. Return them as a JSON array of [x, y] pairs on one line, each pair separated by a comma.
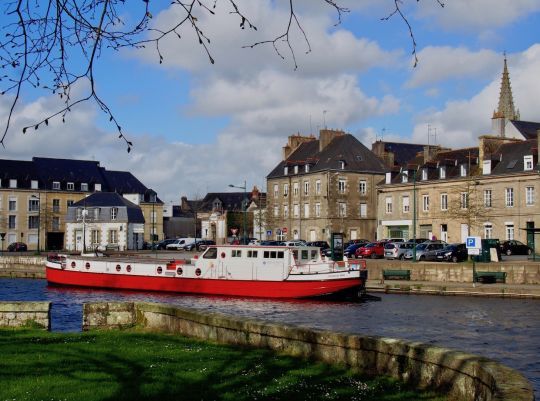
[[414, 216], [39, 221], [244, 210]]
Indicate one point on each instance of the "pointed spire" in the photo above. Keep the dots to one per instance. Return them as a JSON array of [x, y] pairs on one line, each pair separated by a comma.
[[506, 102]]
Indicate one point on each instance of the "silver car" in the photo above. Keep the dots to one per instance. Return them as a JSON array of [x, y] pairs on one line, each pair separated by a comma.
[[396, 250], [424, 247]]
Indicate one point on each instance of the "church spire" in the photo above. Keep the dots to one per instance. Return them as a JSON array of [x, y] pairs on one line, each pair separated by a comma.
[[506, 102]]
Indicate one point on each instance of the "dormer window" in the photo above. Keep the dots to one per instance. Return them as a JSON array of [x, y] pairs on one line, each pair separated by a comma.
[[295, 169], [34, 184], [13, 183], [463, 170], [70, 186], [286, 170], [527, 163], [442, 172], [306, 168], [405, 176], [388, 178], [486, 167], [84, 186], [97, 187], [424, 174], [342, 164], [56, 185], [216, 205], [114, 213]]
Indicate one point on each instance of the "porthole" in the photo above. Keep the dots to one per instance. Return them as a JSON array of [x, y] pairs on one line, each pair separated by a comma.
[[179, 271], [128, 268], [159, 270], [223, 254], [118, 268], [197, 271], [87, 265], [73, 264]]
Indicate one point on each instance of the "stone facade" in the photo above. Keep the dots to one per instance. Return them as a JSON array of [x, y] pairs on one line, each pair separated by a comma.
[[461, 376], [25, 314]]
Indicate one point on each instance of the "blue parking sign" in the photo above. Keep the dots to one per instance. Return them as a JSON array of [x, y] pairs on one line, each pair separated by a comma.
[[473, 242]]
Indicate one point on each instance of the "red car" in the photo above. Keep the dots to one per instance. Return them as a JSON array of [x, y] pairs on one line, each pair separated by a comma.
[[372, 250]]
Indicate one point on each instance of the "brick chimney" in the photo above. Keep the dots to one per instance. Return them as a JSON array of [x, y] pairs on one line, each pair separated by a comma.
[[488, 144], [184, 205], [326, 136], [293, 142]]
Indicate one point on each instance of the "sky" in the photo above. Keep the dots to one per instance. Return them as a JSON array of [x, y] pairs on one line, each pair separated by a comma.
[[197, 127]]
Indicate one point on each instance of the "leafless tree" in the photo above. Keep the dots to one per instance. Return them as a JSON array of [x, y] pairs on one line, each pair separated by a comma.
[[43, 42]]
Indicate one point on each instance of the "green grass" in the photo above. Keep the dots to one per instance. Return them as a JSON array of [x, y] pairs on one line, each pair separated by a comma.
[[120, 365]]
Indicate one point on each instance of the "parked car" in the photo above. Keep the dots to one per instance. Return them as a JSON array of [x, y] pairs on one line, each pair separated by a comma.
[[17, 247], [271, 243], [205, 243], [357, 241], [321, 244], [162, 244], [194, 245], [423, 248], [350, 251], [513, 247], [418, 240], [180, 243], [450, 253], [294, 243], [396, 250], [372, 250]]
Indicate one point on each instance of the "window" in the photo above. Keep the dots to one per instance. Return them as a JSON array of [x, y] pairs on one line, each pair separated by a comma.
[[362, 187], [113, 237], [211, 253], [488, 230], [12, 204], [463, 170], [13, 183], [317, 210], [529, 196], [84, 186], [296, 210], [487, 198], [405, 202], [425, 203], [509, 196], [341, 185], [97, 187], [527, 163], [276, 190], [486, 167], [56, 223], [442, 172], [153, 217], [306, 210], [464, 200], [56, 185], [405, 176], [306, 187], [509, 231], [236, 253], [273, 254], [342, 164], [363, 209], [306, 168], [70, 186], [285, 189], [33, 205], [70, 202], [216, 205], [285, 170], [295, 169], [33, 222], [444, 201], [12, 222], [276, 211], [56, 205], [95, 236], [295, 189], [424, 174], [388, 203], [318, 187], [285, 211], [252, 254], [114, 213], [342, 208], [34, 184]]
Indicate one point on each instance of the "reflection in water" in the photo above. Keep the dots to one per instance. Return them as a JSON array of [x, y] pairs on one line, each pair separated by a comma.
[[503, 329]]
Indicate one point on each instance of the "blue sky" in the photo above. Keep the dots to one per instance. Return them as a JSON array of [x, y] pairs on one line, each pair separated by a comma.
[[197, 127]]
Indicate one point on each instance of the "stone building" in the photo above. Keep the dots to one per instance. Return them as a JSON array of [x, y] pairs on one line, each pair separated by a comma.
[[35, 196], [323, 186]]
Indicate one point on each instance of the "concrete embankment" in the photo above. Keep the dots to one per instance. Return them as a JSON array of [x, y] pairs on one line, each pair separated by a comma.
[[25, 314], [459, 375], [22, 266]]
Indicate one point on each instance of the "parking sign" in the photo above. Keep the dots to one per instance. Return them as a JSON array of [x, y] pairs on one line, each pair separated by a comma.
[[473, 242]]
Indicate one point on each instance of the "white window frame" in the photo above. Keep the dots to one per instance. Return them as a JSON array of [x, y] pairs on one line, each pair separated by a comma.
[[296, 169], [286, 170], [488, 198], [285, 189], [318, 187], [342, 209], [306, 210], [276, 211], [363, 209], [528, 163], [425, 203], [276, 190], [362, 187], [84, 186], [317, 210], [70, 186], [488, 230], [510, 232], [296, 210], [405, 176], [464, 200], [424, 174], [406, 204], [97, 187], [56, 185], [12, 201], [463, 170], [296, 189], [34, 184], [285, 211], [442, 172], [509, 197], [388, 205], [306, 187], [529, 196], [444, 201], [113, 237], [114, 213], [306, 168], [342, 185]]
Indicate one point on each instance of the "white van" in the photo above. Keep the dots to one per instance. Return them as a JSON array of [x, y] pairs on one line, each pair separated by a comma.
[[180, 243]]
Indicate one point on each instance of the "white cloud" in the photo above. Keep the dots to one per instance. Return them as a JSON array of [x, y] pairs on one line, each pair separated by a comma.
[[443, 63]]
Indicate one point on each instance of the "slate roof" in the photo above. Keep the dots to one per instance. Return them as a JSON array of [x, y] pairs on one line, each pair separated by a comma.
[[403, 152], [68, 170], [526, 128], [112, 199], [508, 158], [231, 201], [22, 171], [345, 148]]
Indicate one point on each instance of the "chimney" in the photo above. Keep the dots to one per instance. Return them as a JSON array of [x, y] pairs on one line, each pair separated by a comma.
[[293, 142], [326, 136], [184, 205]]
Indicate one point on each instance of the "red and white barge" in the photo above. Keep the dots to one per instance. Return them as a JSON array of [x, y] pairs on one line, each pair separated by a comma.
[[251, 271]]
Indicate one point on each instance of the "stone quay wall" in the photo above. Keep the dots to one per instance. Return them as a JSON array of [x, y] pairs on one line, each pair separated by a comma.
[[25, 314], [459, 375], [22, 266]]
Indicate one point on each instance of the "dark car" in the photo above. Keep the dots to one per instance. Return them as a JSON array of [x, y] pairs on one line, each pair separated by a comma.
[[372, 250], [321, 244], [418, 240], [514, 247], [17, 247], [450, 253], [271, 243], [350, 251], [356, 241], [163, 243], [203, 244]]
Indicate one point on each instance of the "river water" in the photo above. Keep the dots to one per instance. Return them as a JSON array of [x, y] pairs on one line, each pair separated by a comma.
[[507, 330]]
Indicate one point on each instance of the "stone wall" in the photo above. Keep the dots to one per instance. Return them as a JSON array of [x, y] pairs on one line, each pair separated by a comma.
[[25, 314], [461, 376], [22, 266]]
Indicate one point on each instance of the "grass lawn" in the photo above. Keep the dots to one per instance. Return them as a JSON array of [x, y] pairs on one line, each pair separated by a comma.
[[120, 365]]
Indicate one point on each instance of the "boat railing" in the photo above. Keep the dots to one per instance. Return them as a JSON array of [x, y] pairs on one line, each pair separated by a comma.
[[328, 267]]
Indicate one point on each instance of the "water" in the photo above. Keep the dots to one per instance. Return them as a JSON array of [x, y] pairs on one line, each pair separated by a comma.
[[507, 330]]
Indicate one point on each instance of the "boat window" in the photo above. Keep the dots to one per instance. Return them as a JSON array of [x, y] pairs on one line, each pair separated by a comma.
[[211, 253], [304, 253], [236, 253], [274, 254], [314, 254], [295, 253], [266, 254], [280, 255], [252, 254]]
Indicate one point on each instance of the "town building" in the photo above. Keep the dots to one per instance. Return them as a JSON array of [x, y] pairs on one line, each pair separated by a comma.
[[104, 220], [490, 190], [324, 186], [181, 221], [35, 196]]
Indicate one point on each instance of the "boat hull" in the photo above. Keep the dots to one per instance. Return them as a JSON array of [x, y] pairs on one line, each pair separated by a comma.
[[244, 288]]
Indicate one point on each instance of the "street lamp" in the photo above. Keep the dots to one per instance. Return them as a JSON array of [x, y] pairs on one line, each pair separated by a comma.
[[244, 209], [39, 220], [414, 215]]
